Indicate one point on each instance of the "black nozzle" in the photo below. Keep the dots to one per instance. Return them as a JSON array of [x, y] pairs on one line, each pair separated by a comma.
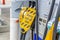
[[33, 4], [30, 3]]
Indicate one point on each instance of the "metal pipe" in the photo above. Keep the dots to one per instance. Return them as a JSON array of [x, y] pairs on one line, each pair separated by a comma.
[[37, 19]]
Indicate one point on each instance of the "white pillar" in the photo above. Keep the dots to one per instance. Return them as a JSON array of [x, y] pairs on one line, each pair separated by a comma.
[[14, 29]]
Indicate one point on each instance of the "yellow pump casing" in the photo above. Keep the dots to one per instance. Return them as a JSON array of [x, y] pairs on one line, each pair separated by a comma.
[[49, 35], [26, 18]]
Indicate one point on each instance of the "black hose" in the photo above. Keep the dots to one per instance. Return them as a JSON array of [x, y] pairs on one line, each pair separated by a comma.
[[23, 36]]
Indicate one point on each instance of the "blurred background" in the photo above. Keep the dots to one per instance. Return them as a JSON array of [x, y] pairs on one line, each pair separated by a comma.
[[5, 19]]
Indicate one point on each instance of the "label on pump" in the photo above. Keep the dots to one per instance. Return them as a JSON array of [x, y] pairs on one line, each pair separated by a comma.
[[43, 10]]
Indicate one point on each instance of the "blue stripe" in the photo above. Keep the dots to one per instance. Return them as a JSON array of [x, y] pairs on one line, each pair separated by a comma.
[[38, 37]]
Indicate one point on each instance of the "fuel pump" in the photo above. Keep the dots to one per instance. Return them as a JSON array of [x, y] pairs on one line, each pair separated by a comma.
[[26, 19]]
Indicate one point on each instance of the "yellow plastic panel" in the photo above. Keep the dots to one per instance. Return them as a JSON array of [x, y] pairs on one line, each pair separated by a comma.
[[26, 18]]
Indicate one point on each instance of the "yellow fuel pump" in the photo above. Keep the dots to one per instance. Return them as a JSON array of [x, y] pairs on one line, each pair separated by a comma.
[[49, 35], [26, 18]]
